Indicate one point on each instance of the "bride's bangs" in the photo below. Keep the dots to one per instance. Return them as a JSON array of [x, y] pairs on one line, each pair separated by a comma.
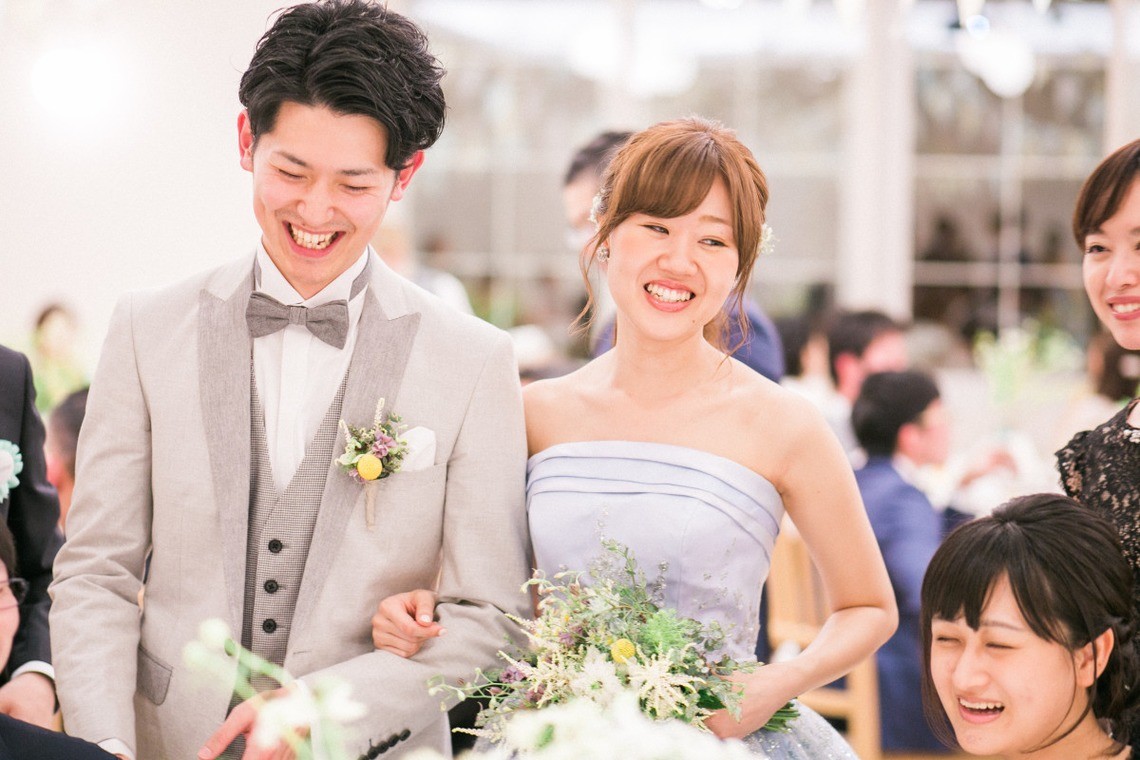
[[668, 180]]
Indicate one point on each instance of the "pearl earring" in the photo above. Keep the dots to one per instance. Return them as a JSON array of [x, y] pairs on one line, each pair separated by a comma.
[[603, 254]]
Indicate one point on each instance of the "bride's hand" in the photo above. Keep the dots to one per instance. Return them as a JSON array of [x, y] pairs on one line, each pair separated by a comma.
[[403, 622], [760, 702]]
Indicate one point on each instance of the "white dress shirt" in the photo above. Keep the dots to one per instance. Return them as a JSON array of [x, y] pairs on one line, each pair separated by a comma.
[[297, 373]]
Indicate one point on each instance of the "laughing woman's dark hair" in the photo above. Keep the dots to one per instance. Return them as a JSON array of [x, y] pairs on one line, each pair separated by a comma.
[[1071, 584]]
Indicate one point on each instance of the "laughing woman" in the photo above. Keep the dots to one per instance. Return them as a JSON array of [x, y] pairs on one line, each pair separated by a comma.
[[1028, 635], [688, 457]]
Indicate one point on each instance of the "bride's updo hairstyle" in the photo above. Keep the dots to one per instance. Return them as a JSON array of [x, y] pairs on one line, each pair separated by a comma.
[[1071, 583], [667, 171]]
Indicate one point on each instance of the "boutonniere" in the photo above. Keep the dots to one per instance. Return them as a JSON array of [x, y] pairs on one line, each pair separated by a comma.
[[11, 465], [372, 453]]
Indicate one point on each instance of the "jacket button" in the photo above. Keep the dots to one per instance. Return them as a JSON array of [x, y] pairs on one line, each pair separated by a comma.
[[271, 586], [269, 626], [275, 546]]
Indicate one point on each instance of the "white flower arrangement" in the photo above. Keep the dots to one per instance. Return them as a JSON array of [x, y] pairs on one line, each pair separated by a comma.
[[583, 728], [309, 720]]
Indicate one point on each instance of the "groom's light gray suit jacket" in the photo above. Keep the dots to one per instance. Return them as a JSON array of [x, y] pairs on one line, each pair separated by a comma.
[[164, 466]]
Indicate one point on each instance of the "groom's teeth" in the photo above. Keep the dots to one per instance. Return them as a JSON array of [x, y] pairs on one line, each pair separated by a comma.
[[668, 294], [1124, 308], [309, 240]]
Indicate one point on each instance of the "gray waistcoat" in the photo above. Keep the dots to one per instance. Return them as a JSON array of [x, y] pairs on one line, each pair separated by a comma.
[[280, 531]]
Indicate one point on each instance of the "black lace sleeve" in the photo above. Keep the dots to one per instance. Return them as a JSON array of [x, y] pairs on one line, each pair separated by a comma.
[[1071, 463], [1101, 469]]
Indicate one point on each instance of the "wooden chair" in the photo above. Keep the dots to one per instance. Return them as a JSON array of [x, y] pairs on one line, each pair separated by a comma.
[[797, 608]]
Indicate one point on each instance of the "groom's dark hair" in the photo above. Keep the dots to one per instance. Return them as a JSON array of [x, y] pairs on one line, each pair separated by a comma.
[[355, 58]]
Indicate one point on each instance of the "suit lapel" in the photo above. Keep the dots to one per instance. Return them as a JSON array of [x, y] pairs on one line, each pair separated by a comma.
[[376, 372], [224, 379]]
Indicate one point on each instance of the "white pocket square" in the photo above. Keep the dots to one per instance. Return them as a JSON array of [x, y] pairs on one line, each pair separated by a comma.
[[421, 449]]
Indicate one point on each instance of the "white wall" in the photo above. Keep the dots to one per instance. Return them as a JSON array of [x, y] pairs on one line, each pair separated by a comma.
[[92, 207]]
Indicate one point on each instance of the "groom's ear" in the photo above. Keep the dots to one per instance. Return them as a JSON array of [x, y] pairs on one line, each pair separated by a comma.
[[404, 176], [245, 140]]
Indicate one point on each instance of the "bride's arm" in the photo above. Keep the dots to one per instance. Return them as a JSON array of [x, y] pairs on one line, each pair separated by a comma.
[[822, 498]]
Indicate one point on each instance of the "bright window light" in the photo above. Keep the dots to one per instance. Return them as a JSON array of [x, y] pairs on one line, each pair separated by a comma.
[[81, 82]]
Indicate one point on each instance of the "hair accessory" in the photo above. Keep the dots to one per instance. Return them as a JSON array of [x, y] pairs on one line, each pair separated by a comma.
[[603, 254], [767, 240], [595, 209]]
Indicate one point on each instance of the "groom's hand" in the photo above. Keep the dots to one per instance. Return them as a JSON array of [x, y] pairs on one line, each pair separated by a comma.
[[403, 622], [240, 722]]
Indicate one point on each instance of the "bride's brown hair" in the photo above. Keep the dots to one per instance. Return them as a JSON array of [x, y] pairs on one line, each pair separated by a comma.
[[666, 171]]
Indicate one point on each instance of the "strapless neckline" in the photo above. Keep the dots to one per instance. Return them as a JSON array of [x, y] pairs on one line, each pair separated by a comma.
[[670, 453]]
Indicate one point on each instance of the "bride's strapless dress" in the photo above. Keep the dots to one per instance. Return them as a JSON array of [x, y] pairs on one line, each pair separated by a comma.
[[700, 524]]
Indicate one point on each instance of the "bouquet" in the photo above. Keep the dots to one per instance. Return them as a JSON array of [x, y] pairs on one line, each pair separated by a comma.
[[602, 640]]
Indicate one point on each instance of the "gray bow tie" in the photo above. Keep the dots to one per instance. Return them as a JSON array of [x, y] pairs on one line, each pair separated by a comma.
[[329, 322]]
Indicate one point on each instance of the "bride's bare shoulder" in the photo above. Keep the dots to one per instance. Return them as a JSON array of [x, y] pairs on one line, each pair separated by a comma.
[[762, 402], [552, 406]]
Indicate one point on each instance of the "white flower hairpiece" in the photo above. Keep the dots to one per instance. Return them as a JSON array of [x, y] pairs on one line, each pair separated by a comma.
[[767, 240], [595, 209]]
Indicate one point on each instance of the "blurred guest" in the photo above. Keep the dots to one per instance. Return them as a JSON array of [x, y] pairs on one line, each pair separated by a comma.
[[805, 358], [54, 365], [394, 245], [901, 424], [1100, 468], [30, 509], [20, 740], [859, 343], [62, 438], [580, 184]]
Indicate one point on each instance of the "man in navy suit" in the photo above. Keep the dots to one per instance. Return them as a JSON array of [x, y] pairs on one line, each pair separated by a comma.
[[899, 421], [31, 510]]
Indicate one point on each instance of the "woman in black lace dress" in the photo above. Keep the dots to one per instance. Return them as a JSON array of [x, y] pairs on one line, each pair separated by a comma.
[[1101, 467]]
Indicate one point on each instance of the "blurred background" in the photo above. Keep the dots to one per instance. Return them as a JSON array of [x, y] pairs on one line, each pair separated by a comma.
[[923, 156]]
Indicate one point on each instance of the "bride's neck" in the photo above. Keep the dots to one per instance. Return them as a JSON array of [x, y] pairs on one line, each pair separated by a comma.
[[658, 371]]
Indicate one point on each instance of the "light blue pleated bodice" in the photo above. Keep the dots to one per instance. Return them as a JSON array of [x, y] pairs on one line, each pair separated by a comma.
[[700, 526]]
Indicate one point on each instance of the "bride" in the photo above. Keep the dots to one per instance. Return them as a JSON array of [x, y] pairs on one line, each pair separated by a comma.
[[685, 455]]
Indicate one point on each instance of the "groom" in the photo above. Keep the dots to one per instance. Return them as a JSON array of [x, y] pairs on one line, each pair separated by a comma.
[[211, 433]]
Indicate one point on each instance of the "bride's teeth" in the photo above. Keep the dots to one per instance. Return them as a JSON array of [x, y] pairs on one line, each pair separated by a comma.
[[1124, 308], [980, 705], [668, 294], [309, 240]]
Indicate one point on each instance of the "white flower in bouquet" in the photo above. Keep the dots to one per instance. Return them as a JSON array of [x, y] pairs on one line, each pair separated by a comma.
[[310, 720], [598, 679], [582, 728]]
